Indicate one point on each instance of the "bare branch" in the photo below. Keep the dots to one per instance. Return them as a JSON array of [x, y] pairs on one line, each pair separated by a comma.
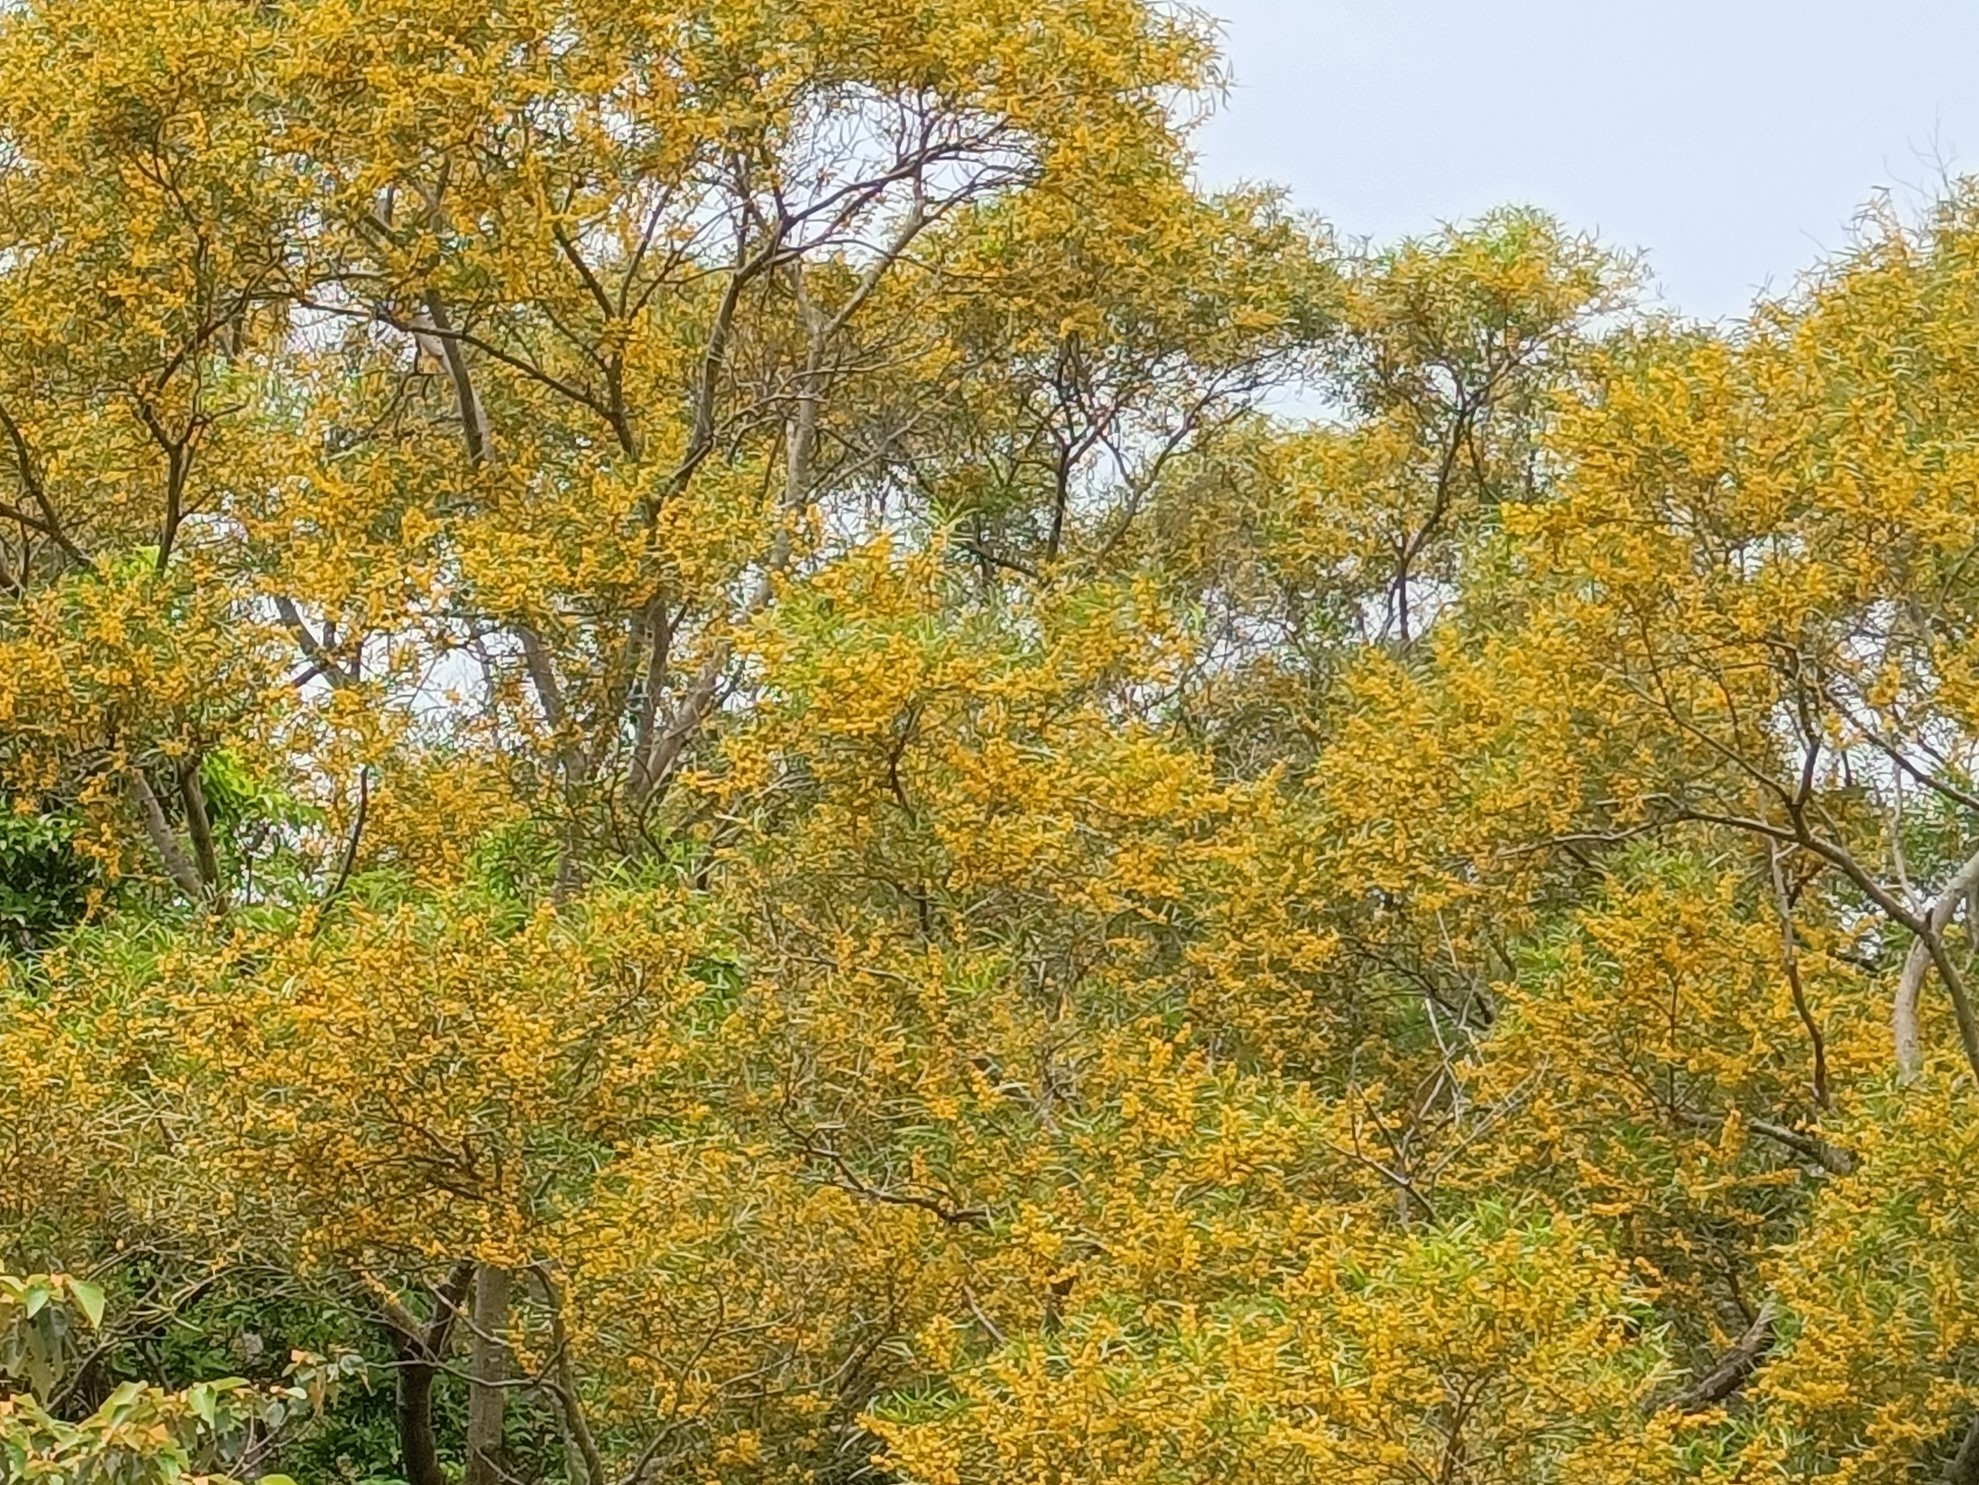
[[164, 840], [1926, 949], [1732, 1372]]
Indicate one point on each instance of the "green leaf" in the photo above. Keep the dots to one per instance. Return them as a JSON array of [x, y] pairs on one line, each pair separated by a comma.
[[121, 1400], [89, 1299]]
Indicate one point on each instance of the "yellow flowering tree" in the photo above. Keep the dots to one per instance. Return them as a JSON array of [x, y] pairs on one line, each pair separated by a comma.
[[698, 774]]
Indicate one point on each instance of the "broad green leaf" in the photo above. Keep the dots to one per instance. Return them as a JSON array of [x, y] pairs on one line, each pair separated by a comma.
[[89, 1299]]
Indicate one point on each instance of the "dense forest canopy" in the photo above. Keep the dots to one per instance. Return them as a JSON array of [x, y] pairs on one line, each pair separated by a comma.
[[701, 786]]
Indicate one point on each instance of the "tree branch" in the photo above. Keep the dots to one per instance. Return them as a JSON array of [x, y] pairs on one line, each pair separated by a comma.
[[1926, 949], [163, 839], [1732, 1371]]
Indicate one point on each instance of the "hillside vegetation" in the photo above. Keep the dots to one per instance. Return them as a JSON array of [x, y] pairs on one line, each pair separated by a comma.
[[738, 754]]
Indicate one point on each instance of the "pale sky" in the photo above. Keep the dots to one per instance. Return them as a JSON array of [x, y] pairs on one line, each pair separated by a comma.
[[1732, 139]]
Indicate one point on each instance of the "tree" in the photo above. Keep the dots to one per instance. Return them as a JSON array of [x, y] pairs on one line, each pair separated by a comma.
[[697, 766]]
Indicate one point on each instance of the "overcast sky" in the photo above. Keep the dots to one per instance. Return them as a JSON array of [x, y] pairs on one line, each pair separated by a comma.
[[1732, 139]]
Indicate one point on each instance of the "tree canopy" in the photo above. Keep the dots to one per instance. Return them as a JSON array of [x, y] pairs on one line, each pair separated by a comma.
[[735, 751]]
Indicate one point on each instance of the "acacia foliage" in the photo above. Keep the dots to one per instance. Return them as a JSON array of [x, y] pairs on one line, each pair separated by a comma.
[[693, 775]]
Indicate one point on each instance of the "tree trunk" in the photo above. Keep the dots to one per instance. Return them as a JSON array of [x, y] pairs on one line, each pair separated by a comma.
[[487, 1371], [1964, 1468], [421, 1459], [420, 1347]]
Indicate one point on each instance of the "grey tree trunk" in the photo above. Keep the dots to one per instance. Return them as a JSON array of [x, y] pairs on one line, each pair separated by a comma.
[[487, 1370]]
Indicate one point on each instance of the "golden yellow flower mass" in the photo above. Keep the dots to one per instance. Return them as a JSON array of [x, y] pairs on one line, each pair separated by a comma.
[[702, 789]]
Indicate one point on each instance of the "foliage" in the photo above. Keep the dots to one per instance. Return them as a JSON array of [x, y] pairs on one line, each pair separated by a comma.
[[140, 1433], [701, 785]]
